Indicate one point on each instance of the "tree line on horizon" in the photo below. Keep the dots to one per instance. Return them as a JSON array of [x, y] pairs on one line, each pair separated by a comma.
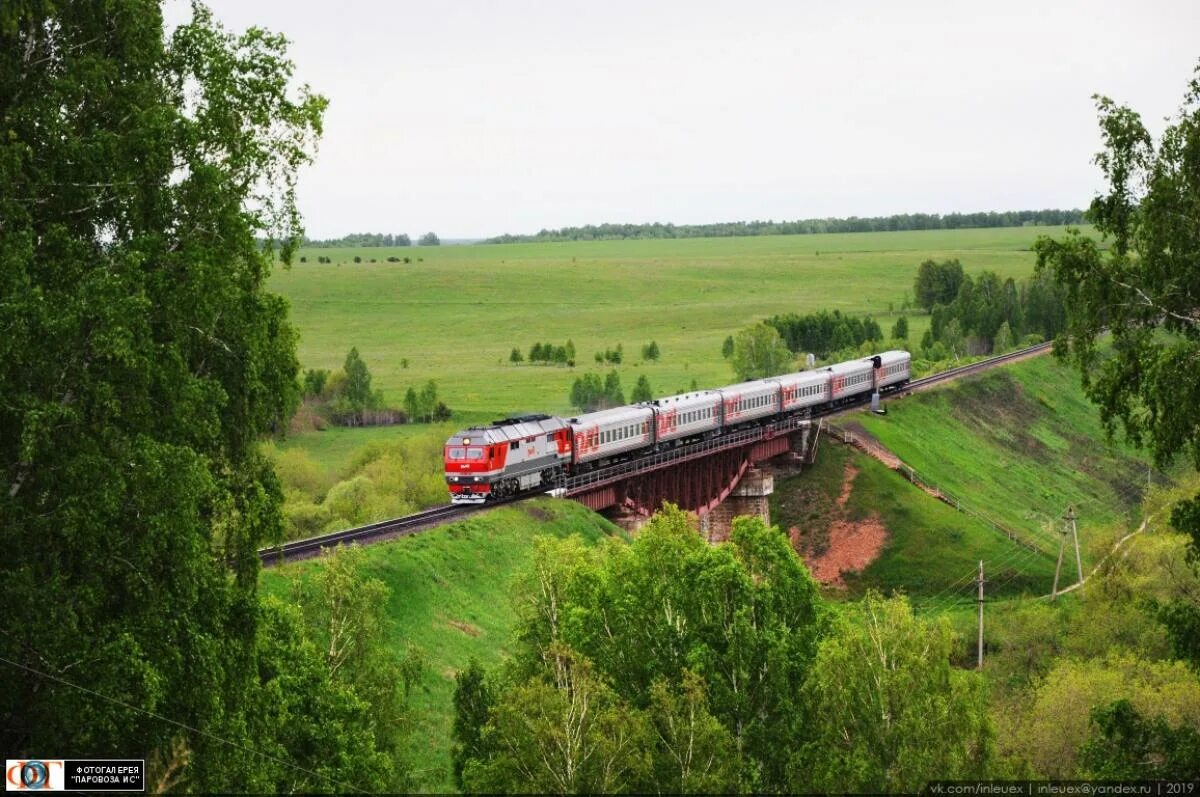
[[894, 223]]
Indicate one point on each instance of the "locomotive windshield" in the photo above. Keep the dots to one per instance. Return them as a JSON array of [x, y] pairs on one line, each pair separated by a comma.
[[464, 453]]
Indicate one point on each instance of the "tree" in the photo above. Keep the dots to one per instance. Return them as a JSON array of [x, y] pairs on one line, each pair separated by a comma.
[[403, 240], [900, 329], [887, 711], [146, 191], [587, 392], [516, 356], [1126, 746], [429, 239], [357, 259], [473, 700], [727, 347], [613, 395], [1143, 290], [357, 390], [535, 353], [1004, 339], [428, 399], [758, 351], [650, 351], [412, 405], [570, 352], [937, 283], [641, 391], [314, 381]]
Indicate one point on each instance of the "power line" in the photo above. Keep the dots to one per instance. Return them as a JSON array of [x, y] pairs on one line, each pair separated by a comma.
[[186, 727]]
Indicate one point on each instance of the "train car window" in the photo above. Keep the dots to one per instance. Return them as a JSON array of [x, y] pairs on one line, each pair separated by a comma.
[[514, 445]]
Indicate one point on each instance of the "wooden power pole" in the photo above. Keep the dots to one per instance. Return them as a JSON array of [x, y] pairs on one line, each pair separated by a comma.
[[979, 581], [1071, 518]]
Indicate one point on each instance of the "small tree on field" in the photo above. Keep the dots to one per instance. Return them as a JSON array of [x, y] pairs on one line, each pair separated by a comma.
[[535, 352], [358, 382], [570, 351], [412, 405], [900, 329], [516, 356], [612, 389], [314, 381], [641, 391], [650, 351], [428, 399], [429, 239], [759, 352], [357, 259], [560, 355], [727, 347]]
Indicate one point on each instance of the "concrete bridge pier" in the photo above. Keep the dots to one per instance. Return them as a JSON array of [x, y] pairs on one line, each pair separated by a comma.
[[749, 497]]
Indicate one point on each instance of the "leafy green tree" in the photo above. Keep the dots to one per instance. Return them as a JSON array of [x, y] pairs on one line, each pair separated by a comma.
[[412, 405], [357, 390], [651, 351], [429, 239], [642, 391], [614, 396], [937, 283], [473, 700], [587, 392], [886, 711], [141, 361], [1143, 290], [1003, 341], [758, 351], [314, 381], [563, 731], [357, 259], [695, 754], [428, 399], [727, 347], [1126, 746], [900, 329], [516, 356], [560, 355], [570, 347], [535, 353]]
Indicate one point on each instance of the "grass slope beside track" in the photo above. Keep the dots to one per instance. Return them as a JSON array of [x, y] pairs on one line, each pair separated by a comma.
[[457, 314], [1019, 444], [450, 595], [929, 546]]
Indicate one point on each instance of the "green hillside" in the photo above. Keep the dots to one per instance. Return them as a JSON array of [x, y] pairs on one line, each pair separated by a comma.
[[450, 596], [1020, 444]]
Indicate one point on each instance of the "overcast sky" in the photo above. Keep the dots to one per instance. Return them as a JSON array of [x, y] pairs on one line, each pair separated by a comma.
[[477, 118]]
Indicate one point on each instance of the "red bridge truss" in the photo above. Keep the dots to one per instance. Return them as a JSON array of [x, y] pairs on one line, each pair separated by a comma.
[[696, 477]]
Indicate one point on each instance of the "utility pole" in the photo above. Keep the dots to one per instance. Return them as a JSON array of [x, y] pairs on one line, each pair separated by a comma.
[[979, 581], [1058, 567], [1070, 517]]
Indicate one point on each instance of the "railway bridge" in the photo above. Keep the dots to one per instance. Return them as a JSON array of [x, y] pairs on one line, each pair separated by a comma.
[[717, 479]]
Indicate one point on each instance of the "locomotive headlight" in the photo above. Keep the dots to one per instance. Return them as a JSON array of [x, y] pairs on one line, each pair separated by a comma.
[[476, 478], [466, 441]]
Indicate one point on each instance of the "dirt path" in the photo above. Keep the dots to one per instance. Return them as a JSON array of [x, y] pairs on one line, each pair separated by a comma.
[[852, 545]]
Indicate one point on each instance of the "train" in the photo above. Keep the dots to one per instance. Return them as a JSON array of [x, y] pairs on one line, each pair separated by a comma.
[[527, 452]]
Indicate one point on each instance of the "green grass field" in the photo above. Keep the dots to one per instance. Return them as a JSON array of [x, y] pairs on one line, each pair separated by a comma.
[[450, 595], [456, 315]]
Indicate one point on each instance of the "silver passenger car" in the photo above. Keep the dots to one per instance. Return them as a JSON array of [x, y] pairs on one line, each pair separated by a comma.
[[747, 401], [804, 389], [894, 368], [850, 378], [685, 415], [606, 433]]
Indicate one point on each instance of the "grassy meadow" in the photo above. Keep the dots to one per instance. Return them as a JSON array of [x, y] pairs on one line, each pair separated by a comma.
[[456, 312]]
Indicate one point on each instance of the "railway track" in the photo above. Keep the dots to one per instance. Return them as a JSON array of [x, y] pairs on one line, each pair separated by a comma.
[[420, 521], [384, 529]]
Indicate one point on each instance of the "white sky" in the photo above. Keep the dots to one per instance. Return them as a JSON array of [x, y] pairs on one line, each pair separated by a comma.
[[476, 118]]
